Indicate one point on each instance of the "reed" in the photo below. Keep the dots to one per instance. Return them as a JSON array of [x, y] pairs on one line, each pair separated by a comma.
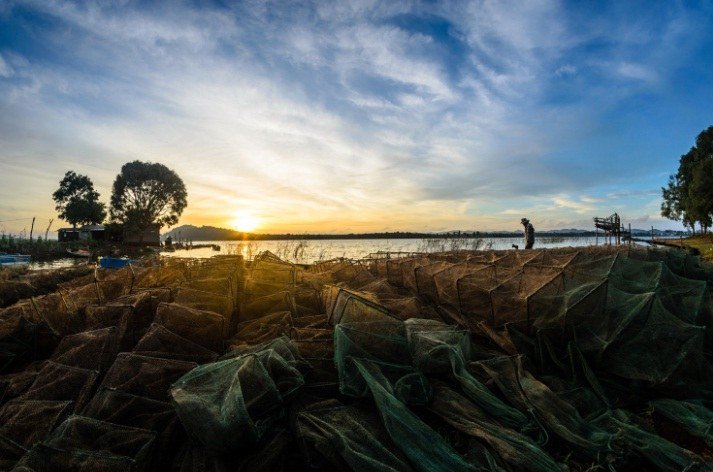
[[453, 244], [40, 248]]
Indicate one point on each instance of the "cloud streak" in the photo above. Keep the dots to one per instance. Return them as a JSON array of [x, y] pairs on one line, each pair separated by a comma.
[[325, 115]]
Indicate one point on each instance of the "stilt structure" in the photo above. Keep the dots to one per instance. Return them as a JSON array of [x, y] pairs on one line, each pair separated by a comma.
[[611, 226]]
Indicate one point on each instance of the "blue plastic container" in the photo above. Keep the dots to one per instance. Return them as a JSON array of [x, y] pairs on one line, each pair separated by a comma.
[[14, 259], [114, 262]]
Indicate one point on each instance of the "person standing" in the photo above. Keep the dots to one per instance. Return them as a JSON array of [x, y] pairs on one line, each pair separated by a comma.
[[529, 233]]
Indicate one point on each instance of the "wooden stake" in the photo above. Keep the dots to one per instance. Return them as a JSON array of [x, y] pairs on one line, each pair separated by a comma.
[[47, 232]]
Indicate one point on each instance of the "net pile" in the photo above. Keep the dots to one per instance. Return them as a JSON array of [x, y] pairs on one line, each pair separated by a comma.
[[86, 370], [567, 359], [16, 284]]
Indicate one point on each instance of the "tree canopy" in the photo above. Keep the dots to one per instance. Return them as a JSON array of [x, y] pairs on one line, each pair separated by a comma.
[[77, 202], [147, 193], [688, 197]]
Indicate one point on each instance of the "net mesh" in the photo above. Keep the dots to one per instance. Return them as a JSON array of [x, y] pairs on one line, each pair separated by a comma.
[[565, 359]]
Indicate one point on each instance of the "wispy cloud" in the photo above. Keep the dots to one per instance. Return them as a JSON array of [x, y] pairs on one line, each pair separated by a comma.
[[328, 113]]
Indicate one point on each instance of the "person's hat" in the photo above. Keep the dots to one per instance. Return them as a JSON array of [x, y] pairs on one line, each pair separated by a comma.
[[524, 221]]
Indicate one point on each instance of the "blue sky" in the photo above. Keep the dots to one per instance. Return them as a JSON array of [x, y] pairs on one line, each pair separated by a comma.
[[358, 115]]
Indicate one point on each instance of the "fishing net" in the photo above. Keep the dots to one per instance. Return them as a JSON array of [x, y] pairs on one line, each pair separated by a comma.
[[203, 327], [164, 343], [127, 323], [12, 291], [556, 415], [22, 341], [579, 359], [42, 458], [652, 449], [145, 376], [94, 350], [278, 301], [231, 403], [81, 435], [27, 422], [686, 423], [262, 329], [121, 408], [207, 301], [15, 384], [271, 455], [10, 453], [343, 305], [511, 447], [334, 435], [57, 382], [269, 274]]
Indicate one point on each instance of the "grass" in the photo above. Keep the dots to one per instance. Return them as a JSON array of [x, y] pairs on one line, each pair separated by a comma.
[[452, 244], [704, 244], [39, 248], [308, 252]]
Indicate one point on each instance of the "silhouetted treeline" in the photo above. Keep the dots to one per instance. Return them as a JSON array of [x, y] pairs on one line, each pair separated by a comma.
[[211, 233]]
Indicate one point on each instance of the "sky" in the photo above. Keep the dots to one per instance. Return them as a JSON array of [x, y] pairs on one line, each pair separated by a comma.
[[358, 116]]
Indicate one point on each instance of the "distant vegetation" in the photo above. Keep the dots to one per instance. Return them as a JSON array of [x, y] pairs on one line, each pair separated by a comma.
[[143, 194], [212, 233], [40, 248], [688, 197], [77, 202]]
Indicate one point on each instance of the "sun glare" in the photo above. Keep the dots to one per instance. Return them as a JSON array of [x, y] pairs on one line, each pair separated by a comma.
[[245, 222]]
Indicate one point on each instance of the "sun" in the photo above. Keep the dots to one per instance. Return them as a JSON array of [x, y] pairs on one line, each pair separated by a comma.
[[245, 222]]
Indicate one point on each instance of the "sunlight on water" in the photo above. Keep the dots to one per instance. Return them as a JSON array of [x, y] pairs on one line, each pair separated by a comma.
[[310, 251]]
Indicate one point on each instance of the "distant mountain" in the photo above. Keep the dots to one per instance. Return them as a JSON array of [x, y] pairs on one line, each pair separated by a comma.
[[212, 233], [204, 233], [569, 231]]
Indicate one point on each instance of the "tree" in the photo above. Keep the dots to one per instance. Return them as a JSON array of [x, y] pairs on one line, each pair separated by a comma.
[[687, 197], [701, 192], [146, 193], [77, 202]]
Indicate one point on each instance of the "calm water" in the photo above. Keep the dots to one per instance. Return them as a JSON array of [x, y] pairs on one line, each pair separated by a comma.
[[309, 251], [57, 263]]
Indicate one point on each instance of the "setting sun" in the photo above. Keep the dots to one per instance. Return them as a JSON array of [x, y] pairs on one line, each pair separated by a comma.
[[245, 222]]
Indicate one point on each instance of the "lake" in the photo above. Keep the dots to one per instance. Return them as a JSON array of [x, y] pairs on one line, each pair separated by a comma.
[[308, 251]]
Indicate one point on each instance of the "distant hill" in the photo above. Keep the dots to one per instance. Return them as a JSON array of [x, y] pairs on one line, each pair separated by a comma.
[[212, 233], [203, 233]]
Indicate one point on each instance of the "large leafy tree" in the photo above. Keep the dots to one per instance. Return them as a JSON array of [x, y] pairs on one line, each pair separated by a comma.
[[77, 202], [701, 191], [688, 196], [147, 193]]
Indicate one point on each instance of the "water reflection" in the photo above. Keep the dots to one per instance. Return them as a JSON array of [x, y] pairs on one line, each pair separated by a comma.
[[56, 263], [309, 251]]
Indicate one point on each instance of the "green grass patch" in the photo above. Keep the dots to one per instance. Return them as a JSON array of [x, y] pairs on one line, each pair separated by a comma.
[[704, 244]]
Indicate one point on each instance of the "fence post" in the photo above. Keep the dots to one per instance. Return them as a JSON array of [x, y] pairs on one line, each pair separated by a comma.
[[32, 228]]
